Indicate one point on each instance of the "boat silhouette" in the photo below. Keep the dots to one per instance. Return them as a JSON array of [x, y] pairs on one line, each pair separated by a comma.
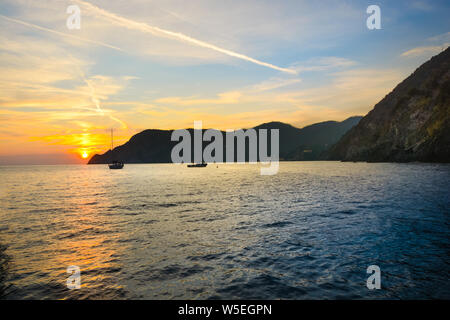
[[115, 164], [197, 165]]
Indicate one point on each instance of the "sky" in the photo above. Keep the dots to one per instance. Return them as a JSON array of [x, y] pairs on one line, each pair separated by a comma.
[[163, 64]]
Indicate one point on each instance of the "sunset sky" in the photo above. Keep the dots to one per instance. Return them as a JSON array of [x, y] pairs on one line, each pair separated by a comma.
[[162, 64]]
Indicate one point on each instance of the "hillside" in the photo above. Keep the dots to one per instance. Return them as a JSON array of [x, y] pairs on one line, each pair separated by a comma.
[[154, 146], [412, 123]]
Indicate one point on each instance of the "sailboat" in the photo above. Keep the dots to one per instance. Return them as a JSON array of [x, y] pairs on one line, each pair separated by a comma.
[[115, 164]]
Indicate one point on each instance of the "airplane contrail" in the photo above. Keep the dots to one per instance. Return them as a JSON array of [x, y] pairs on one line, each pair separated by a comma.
[[92, 93], [144, 27], [96, 100], [31, 25]]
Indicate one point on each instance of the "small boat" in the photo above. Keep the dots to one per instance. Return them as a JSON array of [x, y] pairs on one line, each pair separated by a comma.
[[115, 164], [197, 165]]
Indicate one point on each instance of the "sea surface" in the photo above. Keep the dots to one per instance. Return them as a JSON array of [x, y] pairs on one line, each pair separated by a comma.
[[163, 231]]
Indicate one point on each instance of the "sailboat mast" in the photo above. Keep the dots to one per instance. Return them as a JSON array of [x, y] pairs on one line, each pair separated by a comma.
[[111, 139]]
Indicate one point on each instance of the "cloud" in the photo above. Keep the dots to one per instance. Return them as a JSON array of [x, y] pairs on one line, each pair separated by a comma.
[[323, 64], [440, 38], [435, 45], [274, 83], [65, 35], [425, 50], [99, 87], [266, 91], [29, 68], [46, 92], [156, 31], [337, 96], [231, 97], [357, 90]]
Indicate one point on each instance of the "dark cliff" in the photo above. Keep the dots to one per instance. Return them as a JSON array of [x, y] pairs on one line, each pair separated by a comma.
[[155, 146], [412, 123]]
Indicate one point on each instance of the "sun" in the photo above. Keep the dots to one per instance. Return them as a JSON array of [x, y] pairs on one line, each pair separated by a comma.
[[84, 155]]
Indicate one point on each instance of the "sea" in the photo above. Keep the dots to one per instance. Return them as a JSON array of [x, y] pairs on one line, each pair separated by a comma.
[[165, 231]]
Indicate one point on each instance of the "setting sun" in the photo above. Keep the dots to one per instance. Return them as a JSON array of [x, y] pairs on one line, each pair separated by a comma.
[[84, 154]]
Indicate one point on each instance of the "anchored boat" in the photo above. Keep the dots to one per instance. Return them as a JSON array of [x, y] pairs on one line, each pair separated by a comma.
[[115, 164], [197, 165]]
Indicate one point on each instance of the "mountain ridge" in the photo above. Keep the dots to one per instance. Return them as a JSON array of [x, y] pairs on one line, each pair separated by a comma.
[[155, 145]]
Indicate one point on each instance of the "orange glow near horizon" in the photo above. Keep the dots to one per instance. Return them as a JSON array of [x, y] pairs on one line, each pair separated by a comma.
[[82, 145]]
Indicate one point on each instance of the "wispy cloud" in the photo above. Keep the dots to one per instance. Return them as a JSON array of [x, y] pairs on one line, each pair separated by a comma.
[[156, 31], [333, 99], [440, 38], [31, 25], [323, 64], [425, 50], [434, 45], [231, 97], [46, 92], [274, 83], [95, 98]]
